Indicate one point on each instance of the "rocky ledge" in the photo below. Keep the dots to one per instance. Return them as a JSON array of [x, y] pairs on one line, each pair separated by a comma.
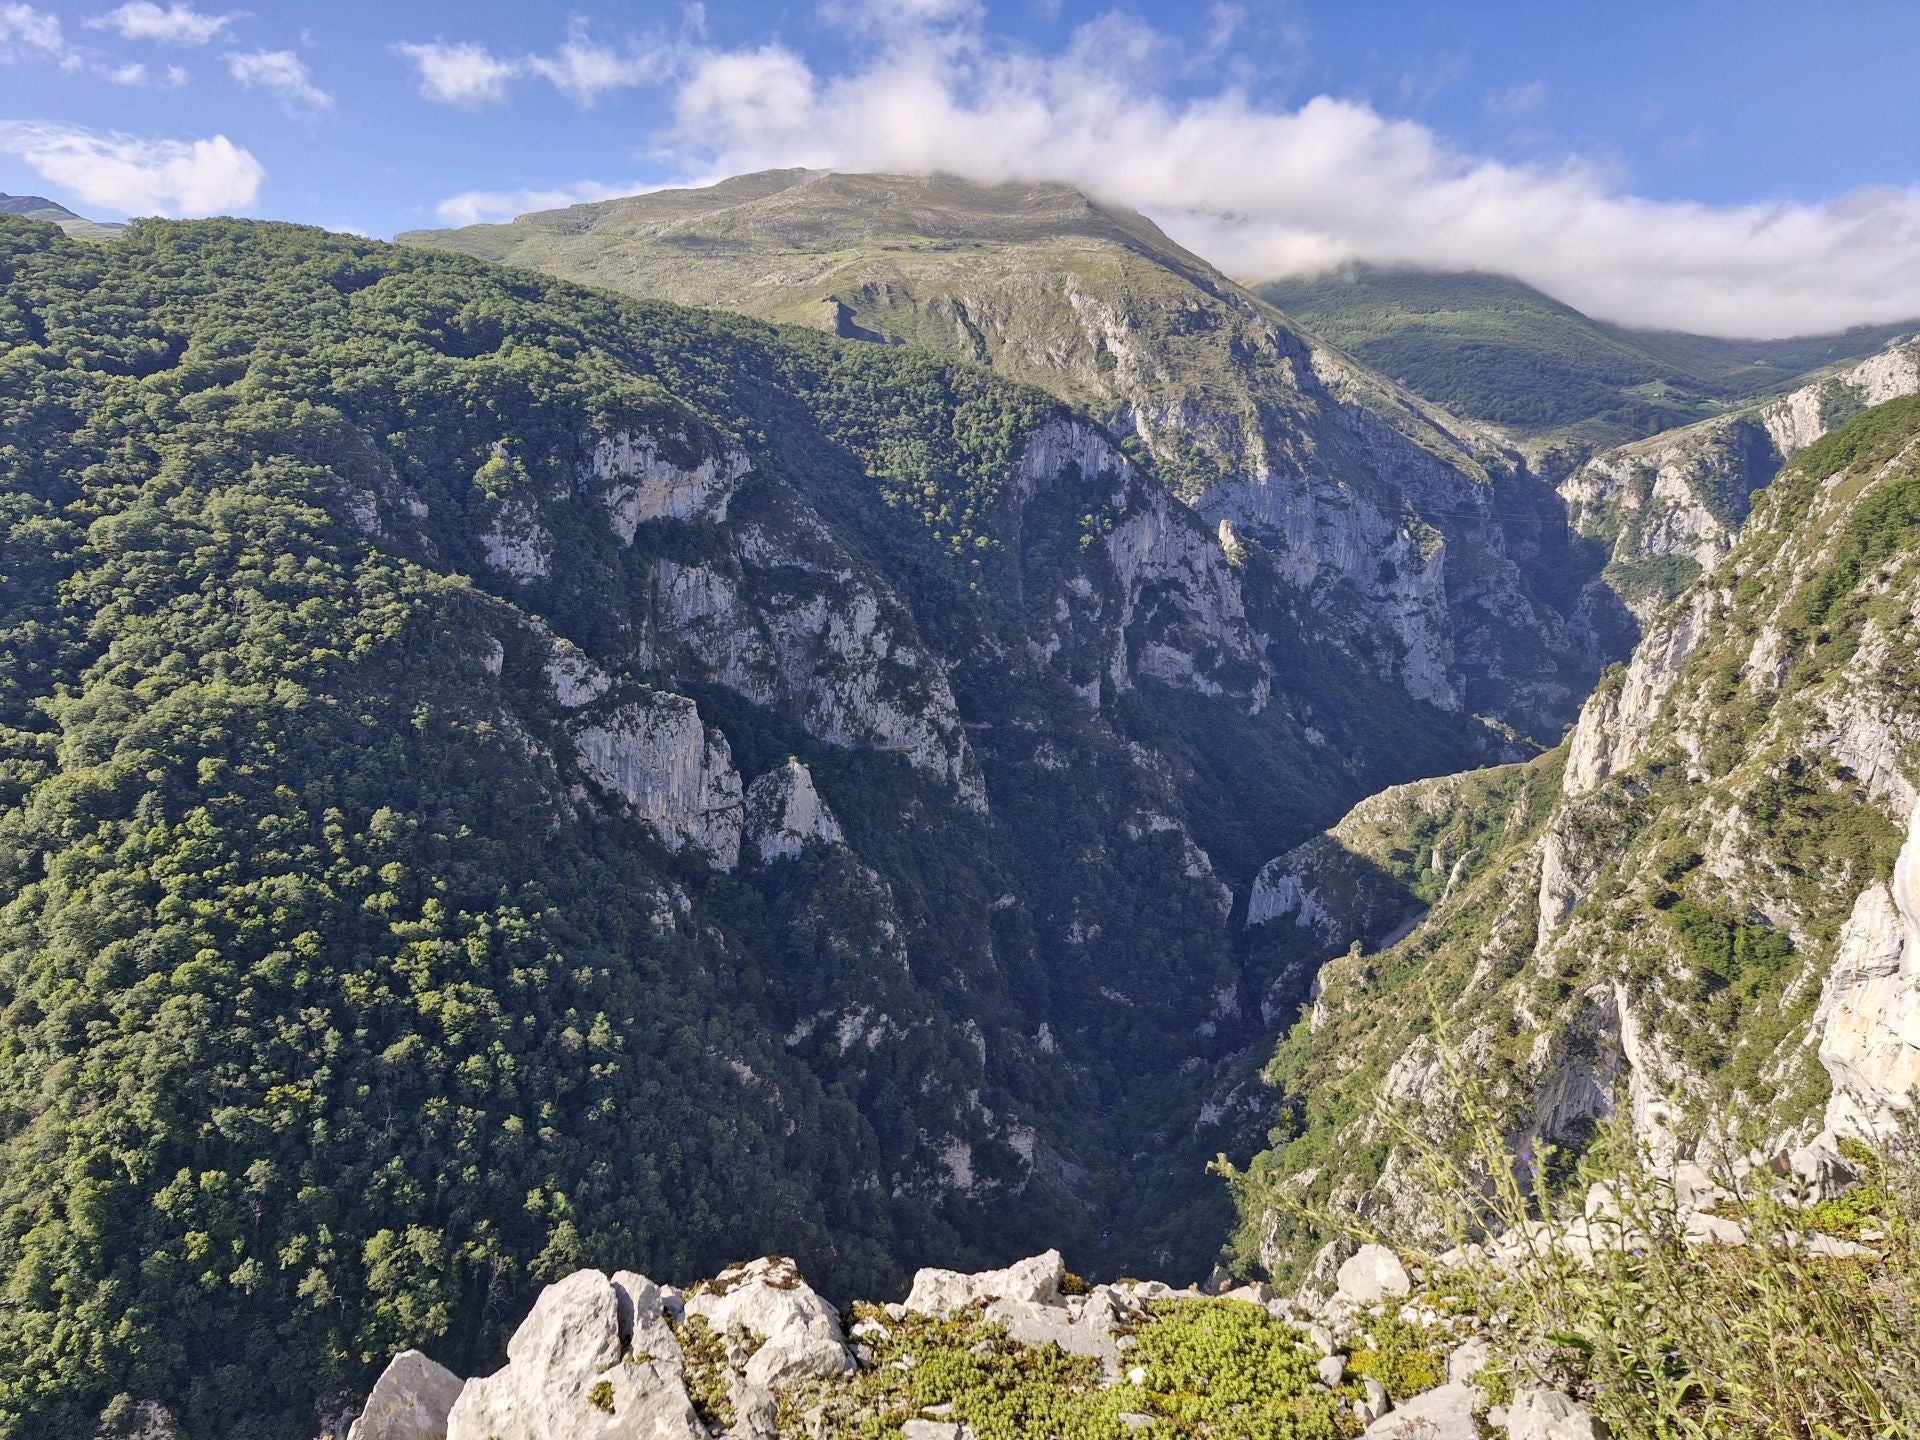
[[753, 1354]]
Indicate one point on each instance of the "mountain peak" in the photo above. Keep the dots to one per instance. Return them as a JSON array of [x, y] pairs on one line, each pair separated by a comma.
[[38, 207]]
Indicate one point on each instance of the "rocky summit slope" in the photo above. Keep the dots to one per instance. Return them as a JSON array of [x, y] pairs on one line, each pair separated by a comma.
[[1699, 913], [1440, 560]]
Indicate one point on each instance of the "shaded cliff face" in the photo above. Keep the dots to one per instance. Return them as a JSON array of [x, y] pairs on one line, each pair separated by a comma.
[[500, 777], [1437, 560], [1700, 909]]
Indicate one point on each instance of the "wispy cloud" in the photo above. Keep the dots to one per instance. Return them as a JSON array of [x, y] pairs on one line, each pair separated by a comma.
[[460, 74], [135, 175], [1519, 101], [27, 33], [166, 25], [582, 67], [282, 74]]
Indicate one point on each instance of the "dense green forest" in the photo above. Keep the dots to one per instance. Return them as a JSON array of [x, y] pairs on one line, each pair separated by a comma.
[[338, 1015]]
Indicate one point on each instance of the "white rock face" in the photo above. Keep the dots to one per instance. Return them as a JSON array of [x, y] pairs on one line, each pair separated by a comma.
[[1373, 1273], [1277, 893], [653, 750], [1870, 1005], [518, 540], [1059, 442], [784, 812], [410, 1401], [768, 1298], [941, 1292], [863, 686], [1160, 550], [1614, 726], [643, 484], [1683, 492], [567, 1346]]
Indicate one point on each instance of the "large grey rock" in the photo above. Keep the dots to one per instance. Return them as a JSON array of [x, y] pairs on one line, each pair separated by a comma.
[[1031, 1323], [769, 1298], [1550, 1415], [568, 1345], [410, 1401], [642, 1309], [941, 1292], [785, 813], [1445, 1413], [1373, 1273]]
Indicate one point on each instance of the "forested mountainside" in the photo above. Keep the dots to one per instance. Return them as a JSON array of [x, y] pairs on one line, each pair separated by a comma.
[[1692, 910], [1493, 348], [1441, 560], [500, 777]]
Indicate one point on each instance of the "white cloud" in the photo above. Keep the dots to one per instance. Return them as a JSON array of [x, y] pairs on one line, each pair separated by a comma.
[[131, 75], [1267, 190], [136, 176], [27, 32], [283, 75], [461, 74], [478, 207], [730, 99], [583, 70], [169, 25]]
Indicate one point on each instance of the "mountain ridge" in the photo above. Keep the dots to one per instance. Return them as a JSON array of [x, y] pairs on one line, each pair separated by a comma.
[[1434, 548]]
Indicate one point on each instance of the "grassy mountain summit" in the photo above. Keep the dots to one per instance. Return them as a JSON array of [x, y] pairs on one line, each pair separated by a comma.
[[38, 207], [1443, 562], [1493, 348]]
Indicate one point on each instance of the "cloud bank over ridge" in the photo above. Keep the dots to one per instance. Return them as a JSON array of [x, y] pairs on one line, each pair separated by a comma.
[[1265, 191]]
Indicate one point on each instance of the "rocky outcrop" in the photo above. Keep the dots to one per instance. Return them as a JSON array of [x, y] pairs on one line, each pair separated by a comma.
[[797, 1333], [1869, 1017], [941, 1292], [1616, 722], [670, 476], [410, 1401], [570, 1374], [517, 541], [653, 752], [785, 814]]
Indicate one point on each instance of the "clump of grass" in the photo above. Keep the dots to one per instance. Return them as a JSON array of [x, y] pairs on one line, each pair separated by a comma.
[[1669, 1338], [601, 1396], [1400, 1355], [706, 1371], [1213, 1370]]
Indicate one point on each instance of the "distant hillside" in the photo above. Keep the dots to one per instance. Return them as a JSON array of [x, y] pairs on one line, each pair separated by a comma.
[[1492, 348], [38, 207]]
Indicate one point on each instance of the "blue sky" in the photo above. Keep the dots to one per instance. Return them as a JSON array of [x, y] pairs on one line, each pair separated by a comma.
[[1742, 168]]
